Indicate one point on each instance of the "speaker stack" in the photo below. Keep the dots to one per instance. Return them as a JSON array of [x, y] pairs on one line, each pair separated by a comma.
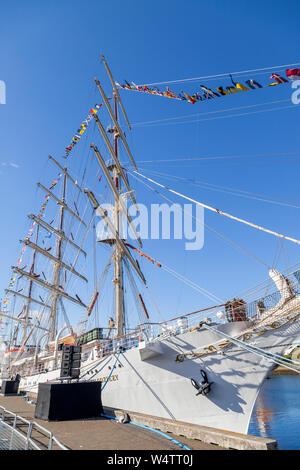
[[70, 362], [69, 400], [10, 387]]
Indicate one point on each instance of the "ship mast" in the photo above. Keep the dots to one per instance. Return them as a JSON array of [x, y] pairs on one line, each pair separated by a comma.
[[55, 288], [30, 291], [57, 265], [118, 255], [115, 176]]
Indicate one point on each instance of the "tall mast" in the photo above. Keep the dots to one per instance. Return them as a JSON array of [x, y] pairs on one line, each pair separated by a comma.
[[30, 291], [118, 255], [56, 290], [57, 265], [115, 176]]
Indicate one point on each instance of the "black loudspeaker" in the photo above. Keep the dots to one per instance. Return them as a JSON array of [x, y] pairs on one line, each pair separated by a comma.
[[70, 362], [67, 401], [10, 387]]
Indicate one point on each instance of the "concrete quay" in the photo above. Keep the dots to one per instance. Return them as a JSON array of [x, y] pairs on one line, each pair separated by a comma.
[[204, 434], [107, 434]]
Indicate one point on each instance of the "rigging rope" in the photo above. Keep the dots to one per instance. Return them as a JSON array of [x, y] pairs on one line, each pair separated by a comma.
[[36, 324], [268, 280], [225, 189], [102, 388], [86, 317], [192, 284], [221, 75], [180, 276], [188, 159], [135, 293], [205, 225], [278, 359], [145, 123], [244, 293], [226, 116], [225, 214]]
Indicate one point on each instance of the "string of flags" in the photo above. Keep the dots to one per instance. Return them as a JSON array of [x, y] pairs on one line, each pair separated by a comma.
[[82, 129], [19, 261], [208, 93]]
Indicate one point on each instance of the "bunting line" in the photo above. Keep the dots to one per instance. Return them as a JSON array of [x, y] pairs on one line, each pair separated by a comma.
[[82, 129], [207, 93]]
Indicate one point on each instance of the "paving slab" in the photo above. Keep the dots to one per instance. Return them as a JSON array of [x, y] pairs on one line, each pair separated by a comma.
[[102, 433]]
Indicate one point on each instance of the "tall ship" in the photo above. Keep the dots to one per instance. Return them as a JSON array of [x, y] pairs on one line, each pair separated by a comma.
[[204, 367]]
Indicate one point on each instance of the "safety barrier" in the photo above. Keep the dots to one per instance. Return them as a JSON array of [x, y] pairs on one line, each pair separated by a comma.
[[17, 433], [12, 439]]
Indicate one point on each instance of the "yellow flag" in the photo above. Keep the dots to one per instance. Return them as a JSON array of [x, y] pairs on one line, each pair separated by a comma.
[[242, 87]]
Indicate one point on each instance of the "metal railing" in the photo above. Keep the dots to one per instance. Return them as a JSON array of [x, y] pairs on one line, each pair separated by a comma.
[[253, 310], [258, 307], [12, 439], [128, 341], [17, 432]]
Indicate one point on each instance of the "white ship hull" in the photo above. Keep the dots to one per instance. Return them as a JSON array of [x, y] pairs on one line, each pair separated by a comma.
[[155, 379]]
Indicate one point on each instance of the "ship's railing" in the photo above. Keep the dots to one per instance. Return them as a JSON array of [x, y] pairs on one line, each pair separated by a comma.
[[145, 331], [178, 324], [33, 371], [17, 433], [128, 341], [28, 370], [248, 311], [256, 308]]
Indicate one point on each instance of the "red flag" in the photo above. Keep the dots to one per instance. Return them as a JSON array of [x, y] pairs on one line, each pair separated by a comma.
[[293, 74], [278, 78]]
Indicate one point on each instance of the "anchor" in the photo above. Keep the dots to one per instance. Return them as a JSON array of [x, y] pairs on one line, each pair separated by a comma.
[[204, 387]]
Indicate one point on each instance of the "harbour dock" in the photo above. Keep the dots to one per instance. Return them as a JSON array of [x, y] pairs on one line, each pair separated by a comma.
[[103, 433]]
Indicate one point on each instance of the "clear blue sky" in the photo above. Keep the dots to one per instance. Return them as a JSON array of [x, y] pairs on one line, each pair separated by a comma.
[[50, 54]]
